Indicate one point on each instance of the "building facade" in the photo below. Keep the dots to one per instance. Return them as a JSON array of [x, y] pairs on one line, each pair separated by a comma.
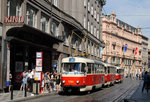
[[58, 28], [144, 52], [149, 53], [122, 44]]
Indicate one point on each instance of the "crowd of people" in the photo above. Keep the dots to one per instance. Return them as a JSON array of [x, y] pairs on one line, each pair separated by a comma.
[[50, 81]]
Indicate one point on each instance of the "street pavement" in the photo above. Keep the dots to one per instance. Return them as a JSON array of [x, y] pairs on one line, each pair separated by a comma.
[[134, 94], [138, 96]]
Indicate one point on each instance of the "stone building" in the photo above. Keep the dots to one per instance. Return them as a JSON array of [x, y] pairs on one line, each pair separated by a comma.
[[30, 26], [122, 44], [144, 51]]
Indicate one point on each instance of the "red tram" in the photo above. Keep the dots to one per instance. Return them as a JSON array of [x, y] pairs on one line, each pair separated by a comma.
[[83, 74], [119, 74]]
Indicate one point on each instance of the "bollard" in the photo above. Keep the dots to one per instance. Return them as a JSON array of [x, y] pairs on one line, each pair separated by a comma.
[[25, 90], [11, 92], [36, 87]]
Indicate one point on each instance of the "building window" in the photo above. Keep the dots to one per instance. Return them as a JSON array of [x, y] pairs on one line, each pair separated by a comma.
[[113, 47], [84, 21], [95, 13], [139, 52], [14, 7], [91, 28], [66, 34], [122, 48], [31, 16], [95, 51], [54, 28], [89, 48], [133, 51], [55, 3], [113, 60], [92, 10], [89, 5], [88, 25], [44, 23], [85, 1], [97, 17], [92, 49], [95, 31], [98, 34]]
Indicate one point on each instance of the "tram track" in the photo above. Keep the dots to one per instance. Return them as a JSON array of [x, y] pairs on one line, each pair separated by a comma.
[[125, 94]]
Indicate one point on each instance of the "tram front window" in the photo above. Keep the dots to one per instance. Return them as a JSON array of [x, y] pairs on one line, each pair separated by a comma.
[[73, 67]]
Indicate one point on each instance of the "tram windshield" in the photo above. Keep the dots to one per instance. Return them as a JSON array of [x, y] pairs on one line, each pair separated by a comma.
[[73, 68]]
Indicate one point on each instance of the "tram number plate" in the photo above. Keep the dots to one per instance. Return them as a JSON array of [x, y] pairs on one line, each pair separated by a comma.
[[70, 81]]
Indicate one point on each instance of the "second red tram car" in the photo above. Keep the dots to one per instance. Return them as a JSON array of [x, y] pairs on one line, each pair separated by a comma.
[[119, 74]]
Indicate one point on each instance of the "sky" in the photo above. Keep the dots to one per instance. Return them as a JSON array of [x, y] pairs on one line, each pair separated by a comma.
[[133, 12]]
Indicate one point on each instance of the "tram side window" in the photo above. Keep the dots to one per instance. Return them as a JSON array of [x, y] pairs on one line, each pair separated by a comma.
[[109, 70], [83, 68], [101, 68], [106, 70], [89, 65]]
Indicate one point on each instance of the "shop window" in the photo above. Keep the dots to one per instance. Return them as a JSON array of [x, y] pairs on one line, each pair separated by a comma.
[[14, 7], [44, 23], [31, 16]]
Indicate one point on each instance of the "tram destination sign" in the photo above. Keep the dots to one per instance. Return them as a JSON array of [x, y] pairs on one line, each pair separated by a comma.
[[71, 59]]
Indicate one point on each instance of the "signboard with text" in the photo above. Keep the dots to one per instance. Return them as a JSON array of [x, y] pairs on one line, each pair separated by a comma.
[[39, 61]]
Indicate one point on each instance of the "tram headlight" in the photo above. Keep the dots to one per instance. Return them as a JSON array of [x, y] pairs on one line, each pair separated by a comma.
[[64, 81], [77, 81]]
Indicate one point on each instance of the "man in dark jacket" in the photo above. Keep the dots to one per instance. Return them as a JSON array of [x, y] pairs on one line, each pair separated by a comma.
[[146, 80]]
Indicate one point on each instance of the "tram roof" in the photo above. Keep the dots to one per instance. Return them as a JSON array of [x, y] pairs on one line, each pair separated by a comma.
[[77, 59]]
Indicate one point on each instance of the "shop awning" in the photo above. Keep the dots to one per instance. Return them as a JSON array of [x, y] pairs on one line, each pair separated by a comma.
[[32, 35]]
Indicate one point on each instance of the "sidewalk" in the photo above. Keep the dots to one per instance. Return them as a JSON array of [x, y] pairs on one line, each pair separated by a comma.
[[19, 96], [138, 96]]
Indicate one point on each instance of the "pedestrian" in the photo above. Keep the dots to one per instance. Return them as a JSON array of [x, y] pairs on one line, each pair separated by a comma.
[[57, 82], [29, 80], [10, 81], [32, 79], [52, 79], [24, 80], [145, 83]]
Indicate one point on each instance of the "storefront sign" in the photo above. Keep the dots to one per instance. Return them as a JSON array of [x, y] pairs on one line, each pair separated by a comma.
[[14, 19]]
